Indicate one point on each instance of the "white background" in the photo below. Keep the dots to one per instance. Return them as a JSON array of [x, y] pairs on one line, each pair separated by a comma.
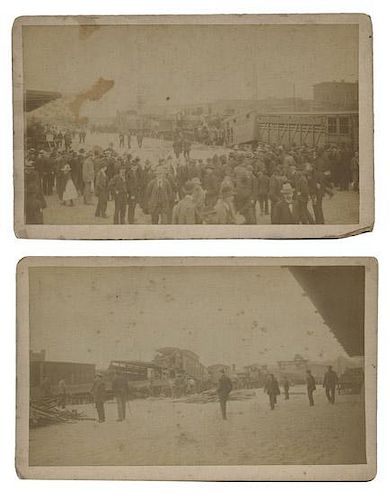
[[374, 244]]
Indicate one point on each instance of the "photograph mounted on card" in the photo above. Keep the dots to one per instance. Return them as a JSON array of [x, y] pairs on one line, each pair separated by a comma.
[[220, 126], [196, 368]]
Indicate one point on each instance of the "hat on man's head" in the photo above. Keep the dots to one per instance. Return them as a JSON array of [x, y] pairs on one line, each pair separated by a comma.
[[226, 192], [287, 189], [308, 167], [188, 187]]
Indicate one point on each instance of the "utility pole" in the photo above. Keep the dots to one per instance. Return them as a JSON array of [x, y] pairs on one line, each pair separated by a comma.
[[294, 98]]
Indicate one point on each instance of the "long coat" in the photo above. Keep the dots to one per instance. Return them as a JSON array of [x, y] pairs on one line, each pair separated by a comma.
[[101, 183], [272, 387], [159, 195], [224, 387], [98, 391], [88, 170], [283, 214]]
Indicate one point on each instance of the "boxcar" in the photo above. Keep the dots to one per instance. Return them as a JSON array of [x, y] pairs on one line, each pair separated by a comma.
[[308, 129], [78, 378]]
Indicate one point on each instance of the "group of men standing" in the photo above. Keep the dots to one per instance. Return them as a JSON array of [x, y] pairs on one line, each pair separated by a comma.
[[120, 390], [288, 185], [271, 388]]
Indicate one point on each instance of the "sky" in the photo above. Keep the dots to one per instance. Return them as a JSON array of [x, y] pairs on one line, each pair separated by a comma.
[[225, 315], [188, 64]]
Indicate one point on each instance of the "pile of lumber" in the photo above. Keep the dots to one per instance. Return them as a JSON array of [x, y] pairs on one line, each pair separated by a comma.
[[211, 396], [45, 412]]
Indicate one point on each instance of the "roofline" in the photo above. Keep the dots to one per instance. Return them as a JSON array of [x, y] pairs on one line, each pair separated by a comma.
[[62, 362]]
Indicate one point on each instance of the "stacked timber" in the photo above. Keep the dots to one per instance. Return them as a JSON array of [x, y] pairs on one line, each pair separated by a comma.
[[45, 412], [210, 396]]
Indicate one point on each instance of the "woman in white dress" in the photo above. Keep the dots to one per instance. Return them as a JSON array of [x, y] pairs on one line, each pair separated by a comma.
[[70, 192]]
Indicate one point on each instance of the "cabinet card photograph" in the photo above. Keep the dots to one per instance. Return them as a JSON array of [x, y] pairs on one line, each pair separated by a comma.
[[196, 368], [223, 126]]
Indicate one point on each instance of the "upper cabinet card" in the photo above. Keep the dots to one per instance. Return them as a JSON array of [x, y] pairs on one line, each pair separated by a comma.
[[222, 126]]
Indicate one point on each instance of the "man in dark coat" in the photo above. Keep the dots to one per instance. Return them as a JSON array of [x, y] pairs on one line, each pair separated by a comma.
[[177, 146], [302, 192], [98, 392], [160, 196], [224, 388], [262, 192], [76, 164], [132, 192], [143, 179], [317, 182], [245, 198], [140, 138], [186, 148], [286, 388], [118, 188], [182, 176], [211, 186], [275, 185], [272, 389], [101, 184], [286, 210], [34, 201], [311, 386], [48, 175], [330, 382], [120, 389]]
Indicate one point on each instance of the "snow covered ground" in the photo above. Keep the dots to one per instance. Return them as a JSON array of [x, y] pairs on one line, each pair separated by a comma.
[[163, 432]]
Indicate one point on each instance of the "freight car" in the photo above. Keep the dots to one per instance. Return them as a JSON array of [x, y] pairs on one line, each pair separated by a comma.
[[78, 378], [351, 381], [313, 129], [308, 129]]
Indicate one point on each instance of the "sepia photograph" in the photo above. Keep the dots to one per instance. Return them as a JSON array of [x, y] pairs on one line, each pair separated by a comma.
[[226, 126], [196, 368]]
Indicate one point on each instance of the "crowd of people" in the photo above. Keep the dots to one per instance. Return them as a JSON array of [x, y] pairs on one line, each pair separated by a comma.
[[288, 184]]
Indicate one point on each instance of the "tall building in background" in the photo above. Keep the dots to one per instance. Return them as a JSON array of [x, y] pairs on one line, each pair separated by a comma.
[[336, 96]]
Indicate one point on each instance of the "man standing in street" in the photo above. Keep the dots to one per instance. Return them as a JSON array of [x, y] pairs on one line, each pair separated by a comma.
[[132, 191], [186, 148], [98, 392], [330, 382], [88, 178], [311, 386], [224, 388], [302, 193], [101, 192], [118, 188], [121, 391], [140, 138], [286, 388], [62, 396], [272, 389], [184, 211], [159, 195], [286, 210]]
